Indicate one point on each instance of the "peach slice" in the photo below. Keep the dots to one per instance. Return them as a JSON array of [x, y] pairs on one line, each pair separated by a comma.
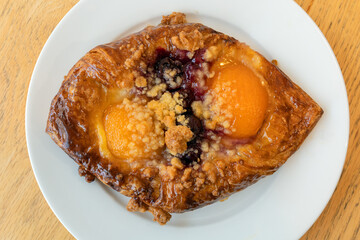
[[241, 97]]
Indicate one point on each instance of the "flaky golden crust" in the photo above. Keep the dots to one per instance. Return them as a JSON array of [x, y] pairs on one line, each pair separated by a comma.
[[160, 187]]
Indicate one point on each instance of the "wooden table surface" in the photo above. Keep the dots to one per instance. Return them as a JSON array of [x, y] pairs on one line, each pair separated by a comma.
[[24, 29]]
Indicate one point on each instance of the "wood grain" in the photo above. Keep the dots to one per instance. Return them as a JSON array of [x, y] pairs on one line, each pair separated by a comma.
[[24, 28]]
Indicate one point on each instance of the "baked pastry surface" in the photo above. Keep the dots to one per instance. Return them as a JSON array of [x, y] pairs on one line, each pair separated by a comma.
[[178, 116]]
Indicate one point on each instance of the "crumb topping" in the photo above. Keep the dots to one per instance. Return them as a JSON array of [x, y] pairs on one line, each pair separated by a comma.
[[136, 55], [174, 18], [176, 162], [190, 41], [168, 108], [140, 82], [156, 91], [176, 139], [213, 112], [211, 53]]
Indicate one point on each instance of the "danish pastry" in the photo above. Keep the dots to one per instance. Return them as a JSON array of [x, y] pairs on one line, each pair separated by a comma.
[[178, 116]]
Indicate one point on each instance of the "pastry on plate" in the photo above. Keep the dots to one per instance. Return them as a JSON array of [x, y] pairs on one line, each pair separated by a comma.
[[178, 116]]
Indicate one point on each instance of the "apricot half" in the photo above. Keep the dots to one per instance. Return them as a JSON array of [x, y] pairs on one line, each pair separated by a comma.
[[131, 131], [241, 97]]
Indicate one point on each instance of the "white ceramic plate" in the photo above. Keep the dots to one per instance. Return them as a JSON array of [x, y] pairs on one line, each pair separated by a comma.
[[282, 206]]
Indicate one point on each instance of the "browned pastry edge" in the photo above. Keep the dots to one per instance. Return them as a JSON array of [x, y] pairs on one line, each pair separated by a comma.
[[294, 115]]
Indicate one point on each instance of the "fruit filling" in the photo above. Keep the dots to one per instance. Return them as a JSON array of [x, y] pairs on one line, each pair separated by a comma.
[[236, 99], [132, 132], [179, 101]]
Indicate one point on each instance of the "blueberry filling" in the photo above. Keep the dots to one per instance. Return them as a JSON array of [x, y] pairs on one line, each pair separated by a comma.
[[193, 152], [195, 124], [187, 96], [170, 72], [181, 72]]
